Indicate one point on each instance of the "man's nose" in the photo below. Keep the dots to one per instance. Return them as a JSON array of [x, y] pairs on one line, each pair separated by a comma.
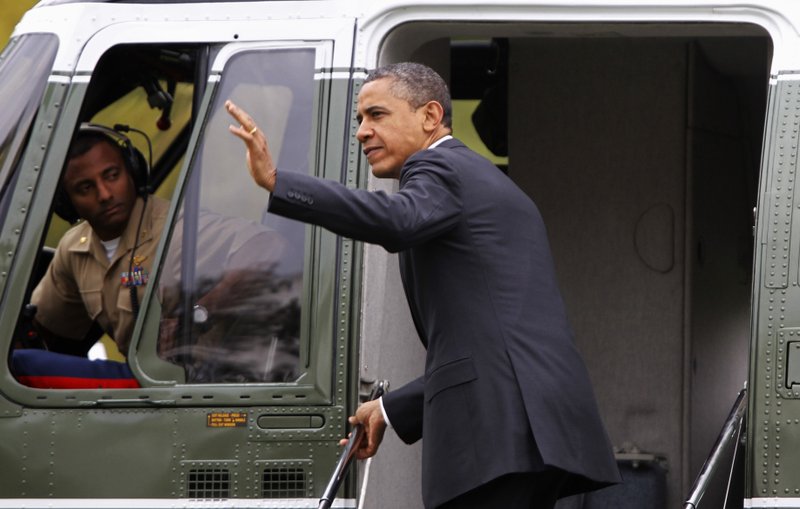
[[103, 191], [364, 132]]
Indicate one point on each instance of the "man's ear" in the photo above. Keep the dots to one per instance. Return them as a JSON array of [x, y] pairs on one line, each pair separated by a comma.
[[434, 113]]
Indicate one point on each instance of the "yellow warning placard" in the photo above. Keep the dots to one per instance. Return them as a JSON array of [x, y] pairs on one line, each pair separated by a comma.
[[226, 419]]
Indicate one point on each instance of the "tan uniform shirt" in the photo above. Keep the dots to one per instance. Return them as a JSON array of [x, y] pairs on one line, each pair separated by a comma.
[[82, 286]]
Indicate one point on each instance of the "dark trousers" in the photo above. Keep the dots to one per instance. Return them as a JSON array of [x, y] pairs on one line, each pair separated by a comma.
[[531, 490]]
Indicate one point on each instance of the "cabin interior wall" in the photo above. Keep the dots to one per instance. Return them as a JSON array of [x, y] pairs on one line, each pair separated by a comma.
[[723, 156], [597, 139], [643, 160]]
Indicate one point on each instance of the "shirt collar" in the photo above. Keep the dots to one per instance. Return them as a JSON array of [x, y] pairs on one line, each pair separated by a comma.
[[440, 141], [88, 238]]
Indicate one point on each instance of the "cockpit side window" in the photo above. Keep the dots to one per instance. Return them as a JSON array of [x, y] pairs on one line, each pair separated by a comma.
[[138, 107], [232, 279]]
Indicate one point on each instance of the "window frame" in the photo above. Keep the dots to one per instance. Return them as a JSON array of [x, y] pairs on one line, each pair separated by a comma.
[[313, 385]]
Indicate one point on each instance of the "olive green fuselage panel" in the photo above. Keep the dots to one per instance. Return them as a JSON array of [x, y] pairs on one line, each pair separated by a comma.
[[186, 453], [774, 409]]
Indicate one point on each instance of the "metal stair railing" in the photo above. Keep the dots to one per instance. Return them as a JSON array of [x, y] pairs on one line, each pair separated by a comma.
[[730, 436]]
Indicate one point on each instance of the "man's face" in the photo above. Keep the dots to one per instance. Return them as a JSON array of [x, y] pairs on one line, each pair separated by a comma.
[[390, 130], [101, 189]]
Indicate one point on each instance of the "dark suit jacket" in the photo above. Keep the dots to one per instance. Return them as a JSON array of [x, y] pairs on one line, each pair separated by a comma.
[[501, 366]]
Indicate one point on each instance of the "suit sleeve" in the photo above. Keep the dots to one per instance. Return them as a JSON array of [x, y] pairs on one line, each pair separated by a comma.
[[403, 407], [427, 205]]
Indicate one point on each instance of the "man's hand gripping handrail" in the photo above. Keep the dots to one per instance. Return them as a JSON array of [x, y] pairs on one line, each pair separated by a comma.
[[356, 436]]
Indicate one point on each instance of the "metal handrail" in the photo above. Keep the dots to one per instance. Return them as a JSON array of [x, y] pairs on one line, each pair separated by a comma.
[[731, 432], [356, 436]]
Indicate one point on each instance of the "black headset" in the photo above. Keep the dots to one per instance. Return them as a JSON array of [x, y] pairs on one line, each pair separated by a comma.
[[134, 161]]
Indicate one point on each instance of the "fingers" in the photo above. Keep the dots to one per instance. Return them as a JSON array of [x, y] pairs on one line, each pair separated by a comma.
[[356, 446], [247, 127], [259, 159], [370, 416], [372, 440]]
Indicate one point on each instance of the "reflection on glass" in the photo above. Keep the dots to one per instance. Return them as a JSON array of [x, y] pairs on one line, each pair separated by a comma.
[[244, 321], [231, 287]]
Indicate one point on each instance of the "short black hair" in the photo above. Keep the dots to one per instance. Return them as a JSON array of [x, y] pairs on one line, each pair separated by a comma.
[[85, 140], [418, 84]]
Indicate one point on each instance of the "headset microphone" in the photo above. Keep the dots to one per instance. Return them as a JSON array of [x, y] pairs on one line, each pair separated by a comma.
[[144, 194]]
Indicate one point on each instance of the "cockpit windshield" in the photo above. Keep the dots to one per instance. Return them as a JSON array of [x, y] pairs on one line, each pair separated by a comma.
[[24, 67]]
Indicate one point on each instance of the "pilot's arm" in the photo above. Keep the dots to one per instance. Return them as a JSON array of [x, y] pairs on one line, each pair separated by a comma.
[[60, 308]]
